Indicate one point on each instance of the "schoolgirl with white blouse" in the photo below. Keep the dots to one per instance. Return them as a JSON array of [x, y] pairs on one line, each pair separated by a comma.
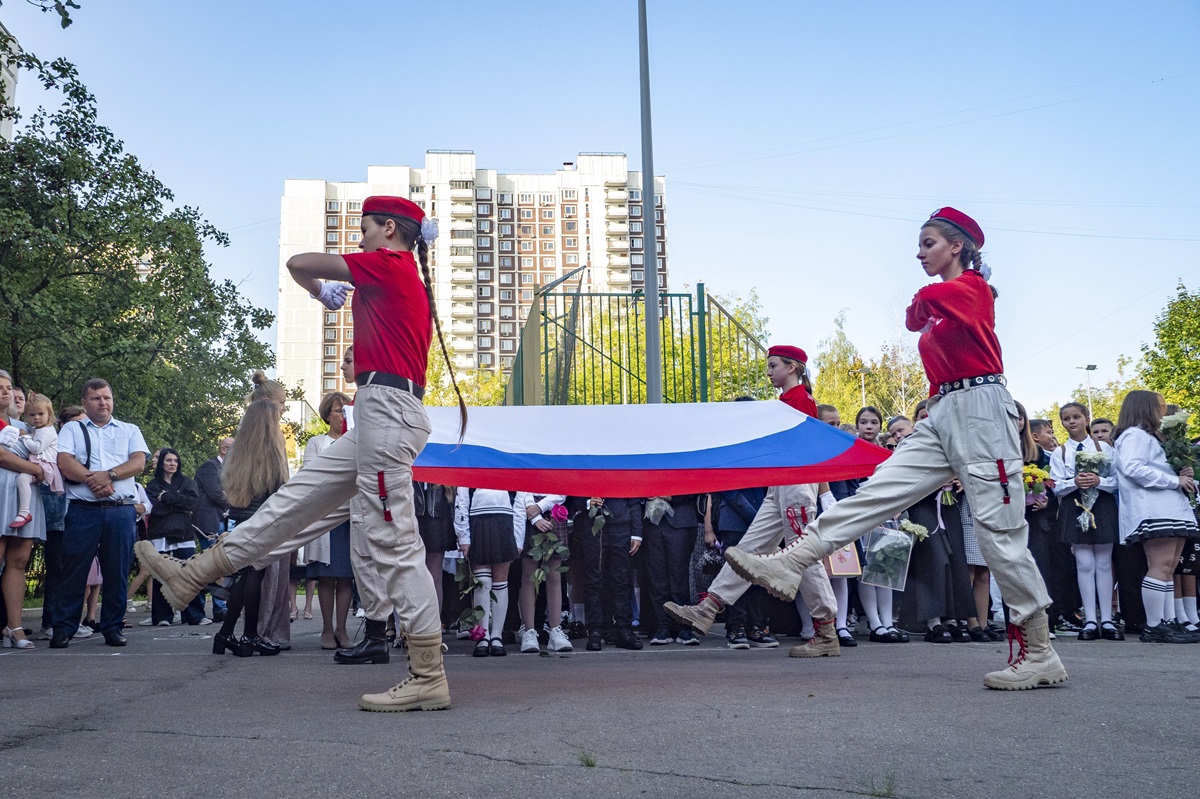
[[490, 527]]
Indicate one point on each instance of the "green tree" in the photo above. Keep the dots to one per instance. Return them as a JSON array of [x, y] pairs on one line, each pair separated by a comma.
[[1106, 399], [836, 360], [101, 275], [479, 386], [896, 380], [61, 7], [1172, 365]]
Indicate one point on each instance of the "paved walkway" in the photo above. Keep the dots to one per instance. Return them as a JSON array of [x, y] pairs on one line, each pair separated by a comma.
[[164, 717]]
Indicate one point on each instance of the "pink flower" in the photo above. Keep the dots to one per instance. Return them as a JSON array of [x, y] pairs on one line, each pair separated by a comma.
[[559, 513], [478, 633]]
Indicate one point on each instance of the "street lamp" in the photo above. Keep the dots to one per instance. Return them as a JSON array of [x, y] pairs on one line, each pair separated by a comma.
[[1091, 367], [862, 373]]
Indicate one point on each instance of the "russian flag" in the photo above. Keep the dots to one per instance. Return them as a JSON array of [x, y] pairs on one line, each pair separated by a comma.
[[640, 450]]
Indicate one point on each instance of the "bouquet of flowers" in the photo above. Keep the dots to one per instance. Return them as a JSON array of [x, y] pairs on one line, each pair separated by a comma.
[[658, 507], [1099, 464], [1037, 480], [887, 555], [1180, 452], [948, 497], [919, 532]]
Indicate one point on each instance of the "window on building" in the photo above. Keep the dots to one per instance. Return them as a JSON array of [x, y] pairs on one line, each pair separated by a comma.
[[525, 198], [506, 230], [485, 359], [570, 194], [547, 246], [661, 246], [331, 317], [527, 278], [506, 246], [331, 221], [635, 227], [483, 209], [331, 367], [547, 199], [570, 242], [637, 259], [526, 295], [354, 205], [526, 230], [569, 210], [483, 226], [506, 261], [637, 274], [662, 281], [504, 198], [635, 210], [354, 237], [635, 195], [485, 309], [506, 213], [506, 295], [508, 345], [527, 246], [353, 221], [332, 251], [508, 312], [658, 214], [547, 230], [527, 213], [331, 334], [662, 264], [548, 262], [526, 263], [570, 227], [331, 238], [508, 329], [483, 291], [484, 242], [462, 234], [572, 259], [506, 363], [330, 385], [485, 342], [483, 193], [483, 274], [330, 352], [636, 243], [333, 205], [548, 277], [506, 278], [484, 326], [547, 213], [462, 184]]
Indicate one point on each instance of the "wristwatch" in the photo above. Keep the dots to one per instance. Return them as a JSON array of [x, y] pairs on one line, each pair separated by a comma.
[[112, 475]]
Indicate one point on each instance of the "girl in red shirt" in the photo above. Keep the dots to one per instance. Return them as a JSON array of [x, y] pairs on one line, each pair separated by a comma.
[[971, 434]]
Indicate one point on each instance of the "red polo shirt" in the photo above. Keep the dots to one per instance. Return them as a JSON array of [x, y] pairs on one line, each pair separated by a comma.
[[392, 323], [961, 340], [799, 398]]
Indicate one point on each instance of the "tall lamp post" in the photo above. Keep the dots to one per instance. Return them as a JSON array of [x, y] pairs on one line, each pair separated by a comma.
[[862, 373], [1091, 367], [654, 391]]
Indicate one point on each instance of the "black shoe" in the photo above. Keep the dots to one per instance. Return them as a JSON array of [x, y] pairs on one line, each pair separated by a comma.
[[938, 635], [481, 649], [95, 625], [264, 647], [595, 641], [959, 633], [1162, 633], [577, 629], [610, 636], [1109, 632], [687, 637], [995, 633], [979, 635], [735, 638], [496, 648], [627, 639], [845, 638], [218, 615], [885, 637], [760, 639], [373, 648], [114, 639], [901, 636], [662, 636], [239, 647], [1187, 636], [1090, 632], [59, 641]]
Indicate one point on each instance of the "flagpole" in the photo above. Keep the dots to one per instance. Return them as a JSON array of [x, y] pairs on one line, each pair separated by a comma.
[[654, 392]]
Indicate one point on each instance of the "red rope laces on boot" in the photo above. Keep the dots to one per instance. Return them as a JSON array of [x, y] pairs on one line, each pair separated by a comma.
[[1016, 634]]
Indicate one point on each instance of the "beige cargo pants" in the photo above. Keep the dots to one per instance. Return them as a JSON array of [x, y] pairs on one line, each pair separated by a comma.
[[779, 520], [970, 434], [390, 430]]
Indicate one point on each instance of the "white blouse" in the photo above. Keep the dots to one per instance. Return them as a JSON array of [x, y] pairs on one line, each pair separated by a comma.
[[1149, 486], [1062, 470], [486, 500]]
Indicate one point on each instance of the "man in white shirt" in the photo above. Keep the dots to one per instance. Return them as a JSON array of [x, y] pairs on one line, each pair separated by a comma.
[[99, 457]]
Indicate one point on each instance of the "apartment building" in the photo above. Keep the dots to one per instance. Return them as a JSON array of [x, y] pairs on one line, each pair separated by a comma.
[[502, 236], [8, 88]]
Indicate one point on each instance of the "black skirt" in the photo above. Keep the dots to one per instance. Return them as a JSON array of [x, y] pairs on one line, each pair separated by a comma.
[[492, 539], [938, 583], [437, 532], [1106, 530]]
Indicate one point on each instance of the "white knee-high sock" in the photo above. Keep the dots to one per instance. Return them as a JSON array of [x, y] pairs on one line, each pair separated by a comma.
[[884, 597], [1104, 579], [1155, 595], [1189, 609], [841, 592], [482, 595], [867, 594], [1177, 610], [1085, 573], [499, 609]]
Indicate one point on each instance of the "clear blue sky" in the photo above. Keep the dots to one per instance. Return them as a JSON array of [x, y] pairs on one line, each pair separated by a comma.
[[802, 142]]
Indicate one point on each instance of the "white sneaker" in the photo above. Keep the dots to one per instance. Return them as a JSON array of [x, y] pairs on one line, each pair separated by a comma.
[[361, 614], [45, 634], [205, 620], [176, 619], [164, 623], [559, 642], [529, 641], [146, 622], [84, 632]]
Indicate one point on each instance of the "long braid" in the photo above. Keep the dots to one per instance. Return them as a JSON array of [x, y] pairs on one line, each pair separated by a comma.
[[423, 257]]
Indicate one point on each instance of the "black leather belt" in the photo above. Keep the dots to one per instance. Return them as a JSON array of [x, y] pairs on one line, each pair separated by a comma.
[[971, 382], [103, 503], [390, 380]]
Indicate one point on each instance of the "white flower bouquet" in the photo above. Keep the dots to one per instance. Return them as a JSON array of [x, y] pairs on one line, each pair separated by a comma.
[[887, 555], [1099, 464]]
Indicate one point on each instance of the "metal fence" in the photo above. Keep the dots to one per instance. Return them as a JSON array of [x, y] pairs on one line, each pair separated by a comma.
[[588, 348]]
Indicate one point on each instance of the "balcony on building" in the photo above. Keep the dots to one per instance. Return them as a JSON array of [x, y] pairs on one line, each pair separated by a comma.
[[466, 276], [615, 182], [464, 361], [618, 244], [462, 344], [618, 276], [462, 195], [616, 212], [618, 261], [461, 328], [460, 210], [616, 195], [463, 310], [462, 260], [616, 228], [462, 295]]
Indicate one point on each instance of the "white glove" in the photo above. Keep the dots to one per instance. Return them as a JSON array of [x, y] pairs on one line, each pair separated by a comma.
[[827, 500], [331, 295]]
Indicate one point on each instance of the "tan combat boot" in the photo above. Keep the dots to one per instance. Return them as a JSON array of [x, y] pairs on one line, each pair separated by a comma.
[[823, 645], [425, 687], [182, 580], [780, 572], [1034, 664], [700, 616]]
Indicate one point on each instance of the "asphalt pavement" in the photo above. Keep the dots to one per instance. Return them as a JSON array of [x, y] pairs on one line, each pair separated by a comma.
[[163, 717]]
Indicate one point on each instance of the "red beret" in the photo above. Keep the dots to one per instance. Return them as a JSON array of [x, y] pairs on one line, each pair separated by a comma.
[[788, 351], [392, 206], [961, 221]]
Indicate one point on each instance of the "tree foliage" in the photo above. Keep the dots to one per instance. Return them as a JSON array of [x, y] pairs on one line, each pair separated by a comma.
[[1106, 398], [102, 275], [894, 381], [1172, 365], [61, 7]]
